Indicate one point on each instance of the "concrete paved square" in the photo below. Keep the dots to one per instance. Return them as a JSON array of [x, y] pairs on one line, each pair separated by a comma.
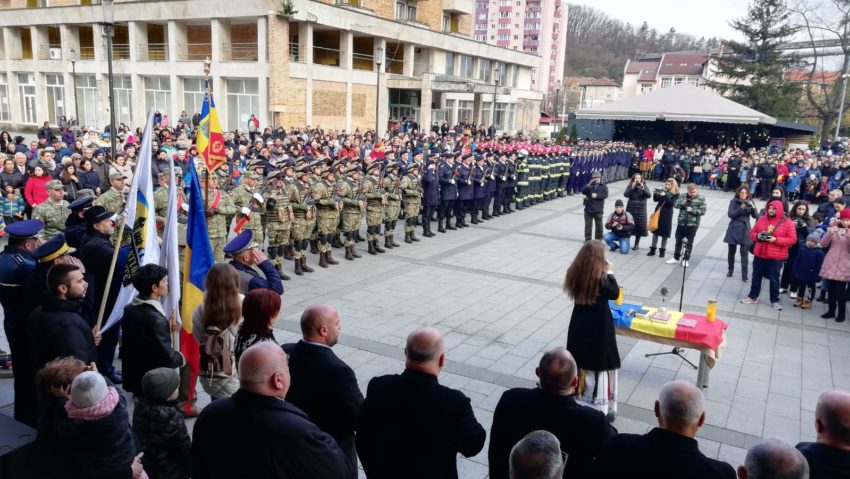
[[495, 292]]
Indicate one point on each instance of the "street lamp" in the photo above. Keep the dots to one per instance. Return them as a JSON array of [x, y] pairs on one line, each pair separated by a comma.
[[495, 91], [379, 59], [108, 32], [558, 85], [74, 79]]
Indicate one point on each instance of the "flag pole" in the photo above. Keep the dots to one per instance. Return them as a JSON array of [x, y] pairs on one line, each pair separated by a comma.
[[207, 67], [120, 231]]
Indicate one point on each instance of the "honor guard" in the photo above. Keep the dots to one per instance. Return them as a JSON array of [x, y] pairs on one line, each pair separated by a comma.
[[278, 218], [304, 209], [412, 190], [448, 192], [353, 206], [75, 223], [391, 186], [54, 211], [250, 204], [329, 204], [376, 200], [219, 207], [478, 188]]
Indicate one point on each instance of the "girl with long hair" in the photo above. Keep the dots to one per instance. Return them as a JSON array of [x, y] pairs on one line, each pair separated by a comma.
[[590, 283], [214, 326]]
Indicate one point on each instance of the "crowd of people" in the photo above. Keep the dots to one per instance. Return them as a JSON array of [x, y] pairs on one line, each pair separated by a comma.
[[283, 193]]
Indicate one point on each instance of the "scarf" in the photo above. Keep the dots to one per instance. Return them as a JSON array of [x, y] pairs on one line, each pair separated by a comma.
[[98, 411]]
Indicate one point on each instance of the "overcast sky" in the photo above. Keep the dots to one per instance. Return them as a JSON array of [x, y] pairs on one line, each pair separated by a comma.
[[706, 18]]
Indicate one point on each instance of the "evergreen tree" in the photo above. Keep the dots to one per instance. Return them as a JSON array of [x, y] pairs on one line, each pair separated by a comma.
[[752, 72]]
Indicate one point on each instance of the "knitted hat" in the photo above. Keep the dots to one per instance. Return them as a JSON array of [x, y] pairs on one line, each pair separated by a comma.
[[845, 214], [160, 383], [813, 237], [88, 389], [618, 203]]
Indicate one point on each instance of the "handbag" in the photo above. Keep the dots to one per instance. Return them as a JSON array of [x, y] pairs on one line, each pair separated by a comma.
[[654, 218]]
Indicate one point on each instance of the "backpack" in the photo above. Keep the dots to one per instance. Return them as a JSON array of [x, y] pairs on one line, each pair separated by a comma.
[[217, 353]]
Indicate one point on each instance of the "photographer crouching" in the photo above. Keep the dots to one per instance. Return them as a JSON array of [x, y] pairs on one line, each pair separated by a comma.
[[773, 234]]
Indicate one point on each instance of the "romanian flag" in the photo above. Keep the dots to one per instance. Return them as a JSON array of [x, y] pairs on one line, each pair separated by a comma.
[[199, 259], [210, 141]]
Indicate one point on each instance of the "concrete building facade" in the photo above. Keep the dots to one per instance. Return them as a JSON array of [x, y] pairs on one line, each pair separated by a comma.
[[533, 26], [315, 64]]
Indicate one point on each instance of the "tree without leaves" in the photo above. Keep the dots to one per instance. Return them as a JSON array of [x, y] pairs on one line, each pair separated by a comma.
[[824, 21], [753, 74]]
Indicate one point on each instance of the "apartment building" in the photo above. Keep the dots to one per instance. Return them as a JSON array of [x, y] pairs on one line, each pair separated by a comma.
[[532, 26], [340, 64]]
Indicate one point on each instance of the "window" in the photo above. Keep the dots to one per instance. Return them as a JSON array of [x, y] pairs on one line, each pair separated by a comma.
[[5, 111], [466, 66], [158, 94], [484, 70], [482, 16], [464, 111], [481, 38], [485, 112], [516, 37], [500, 116], [405, 11], [450, 111], [515, 75], [450, 63], [193, 94], [481, 26], [693, 81], [87, 100], [678, 80], [646, 88], [504, 36], [26, 85], [666, 82], [243, 100], [55, 97], [504, 14], [123, 99]]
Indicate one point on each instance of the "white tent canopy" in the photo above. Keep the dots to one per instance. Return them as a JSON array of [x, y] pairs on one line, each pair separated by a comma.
[[677, 103]]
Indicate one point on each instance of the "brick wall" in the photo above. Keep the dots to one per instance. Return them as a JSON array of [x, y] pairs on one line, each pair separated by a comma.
[[329, 104], [430, 12], [296, 105], [362, 106], [465, 24], [244, 33]]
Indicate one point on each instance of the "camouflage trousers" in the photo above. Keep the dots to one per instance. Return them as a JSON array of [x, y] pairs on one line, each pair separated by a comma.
[[257, 234], [374, 218], [411, 212], [392, 211], [302, 228], [351, 219], [328, 223], [217, 245]]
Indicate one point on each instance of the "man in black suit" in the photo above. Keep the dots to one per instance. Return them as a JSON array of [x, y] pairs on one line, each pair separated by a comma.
[[774, 459], [829, 457], [582, 431], [668, 451], [324, 386], [410, 426], [256, 433]]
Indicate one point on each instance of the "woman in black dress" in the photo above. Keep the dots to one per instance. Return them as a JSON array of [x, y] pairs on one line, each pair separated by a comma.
[[591, 284], [664, 200], [637, 192]]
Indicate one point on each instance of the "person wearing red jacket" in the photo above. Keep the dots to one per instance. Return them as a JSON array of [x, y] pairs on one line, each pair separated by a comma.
[[35, 190], [772, 234]]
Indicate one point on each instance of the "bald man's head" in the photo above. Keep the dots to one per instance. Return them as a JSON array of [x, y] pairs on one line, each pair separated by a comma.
[[832, 418], [425, 347], [263, 370], [680, 407], [774, 459], [556, 371], [320, 324]]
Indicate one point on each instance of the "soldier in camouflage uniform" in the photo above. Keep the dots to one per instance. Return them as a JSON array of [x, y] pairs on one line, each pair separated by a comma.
[[412, 191], [353, 205], [160, 198], [329, 204], [288, 180], [249, 201], [315, 170], [54, 211], [113, 199], [391, 185], [302, 203], [219, 207], [376, 199], [278, 218]]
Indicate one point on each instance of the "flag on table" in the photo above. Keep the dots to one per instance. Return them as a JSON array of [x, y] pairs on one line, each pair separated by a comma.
[[170, 258], [210, 141], [199, 259], [144, 248]]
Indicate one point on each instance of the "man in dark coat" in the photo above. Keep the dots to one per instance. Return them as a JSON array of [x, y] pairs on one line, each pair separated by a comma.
[[463, 205], [412, 426], [16, 266], [56, 328], [637, 192], [448, 193], [829, 457], [669, 450], [147, 332], [256, 433], [582, 431], [733, 173], [774, 459], [668, 161], [96, 254], [595, 193], [323, 386], [430, 194]]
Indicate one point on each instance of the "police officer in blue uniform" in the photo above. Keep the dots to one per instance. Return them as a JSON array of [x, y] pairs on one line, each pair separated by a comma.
[[430, 195], [465, 192], [448, 193], [16, 264], [75, 224], [489, 186], [246, 254]]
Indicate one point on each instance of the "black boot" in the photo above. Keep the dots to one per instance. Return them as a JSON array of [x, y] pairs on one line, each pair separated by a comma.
[[661, 253], [637, 243], [372, 247], [330, 259], [322, 259], [287, 252], [378, 246], [441, 226], [348, 254], [407, 237], [474, 219], [298, 269], [354, 252], [304, 266], [387, 243], [449, 224], [392, 240], [413, 236], [651, 251], [314, 247]]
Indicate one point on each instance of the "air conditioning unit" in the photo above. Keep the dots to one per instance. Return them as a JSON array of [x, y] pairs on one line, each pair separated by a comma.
[[55, 53]]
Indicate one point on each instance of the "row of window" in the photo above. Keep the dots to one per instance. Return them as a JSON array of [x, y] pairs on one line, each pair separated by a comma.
[[461, 111], [486, 69], [241, 99], [670, 81]]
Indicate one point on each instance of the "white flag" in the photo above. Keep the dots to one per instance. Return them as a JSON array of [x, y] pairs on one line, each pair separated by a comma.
[[170, 259]]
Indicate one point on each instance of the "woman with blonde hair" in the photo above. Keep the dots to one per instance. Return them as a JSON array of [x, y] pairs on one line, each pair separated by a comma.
[[664, 200], [214, 325], [590, 283]]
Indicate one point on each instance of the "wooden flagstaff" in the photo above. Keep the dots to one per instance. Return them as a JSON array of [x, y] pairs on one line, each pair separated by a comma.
[[118, 236]]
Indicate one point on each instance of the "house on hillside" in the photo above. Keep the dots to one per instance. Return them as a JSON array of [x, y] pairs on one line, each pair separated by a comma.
[[652, 72], [586, 92]]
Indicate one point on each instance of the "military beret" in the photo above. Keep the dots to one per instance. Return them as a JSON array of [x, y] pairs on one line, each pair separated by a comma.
[[81, 203], [24, 229], [96, 214], [241, 243], [116, 176], [53, 185], [52, 249]]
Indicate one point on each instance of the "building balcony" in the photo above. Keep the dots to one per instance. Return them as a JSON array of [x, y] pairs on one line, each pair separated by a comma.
[[531, 31], [86, 53], [532, 9], [50, 52], [530, 43], [197, 52], [120, 51], [507, 8], [460, 6], [153, 52], [239, 52], [505, 20]]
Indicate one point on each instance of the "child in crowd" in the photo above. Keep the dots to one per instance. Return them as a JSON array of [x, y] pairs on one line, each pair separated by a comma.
[[12, 205], [160, 427], [807, 270], [792, 186], [714, 177]]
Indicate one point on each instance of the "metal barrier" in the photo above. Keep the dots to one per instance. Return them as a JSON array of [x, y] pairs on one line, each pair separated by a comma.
[[239, 52], [153, 52]]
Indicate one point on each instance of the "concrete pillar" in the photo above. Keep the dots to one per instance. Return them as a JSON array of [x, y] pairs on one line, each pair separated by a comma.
[[219, 34], [70, 35], [137, 35], [476, 108], [262, 42], [346, 50], [425, 100], [263, 89], [140, 111], [383, 101], [305, 40], [12, 44], [40, 43], [15, 99], [409, 58], [177, 39]]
